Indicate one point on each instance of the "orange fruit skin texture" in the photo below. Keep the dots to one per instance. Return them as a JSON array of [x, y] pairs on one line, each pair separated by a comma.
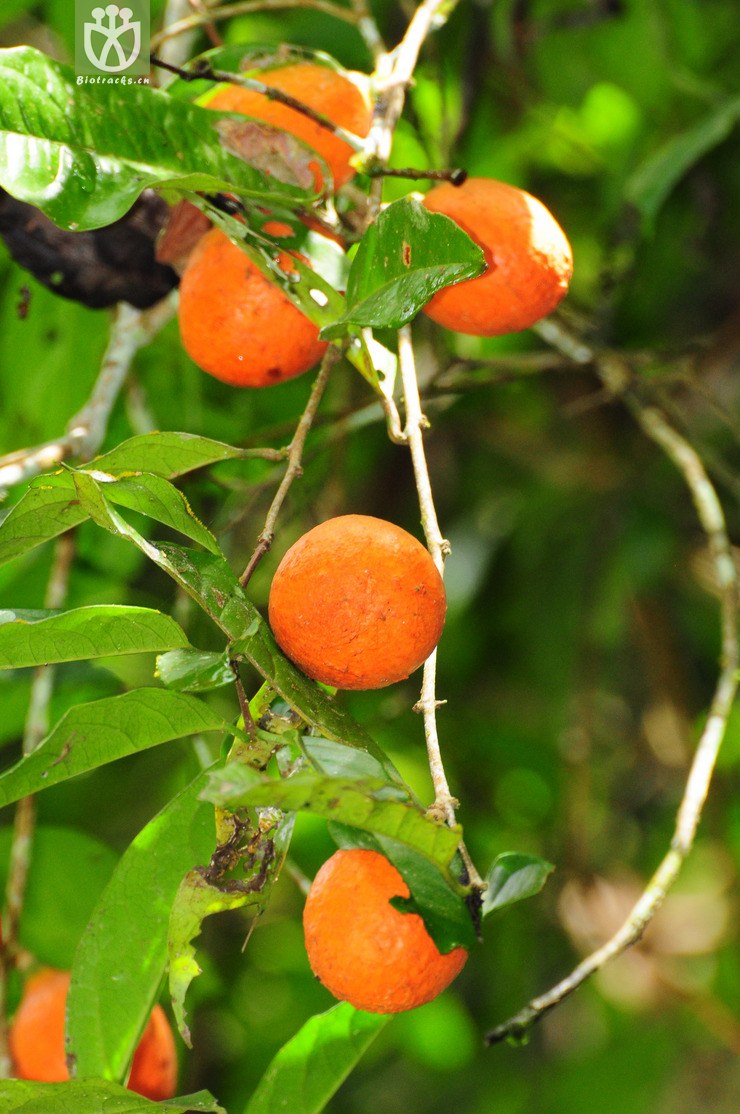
[[364, 950], [236, 324], [357, 603], [529, 259], [37, 1040], [320, 88]]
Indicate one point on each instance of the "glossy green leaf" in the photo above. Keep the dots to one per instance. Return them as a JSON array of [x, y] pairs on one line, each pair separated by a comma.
[[513, 877], [91, 735], [85, 1096], [27, 639], [369, 803], [54, 913], [403, 259], [83, 154], [652, 183], [202, 893], [122, 955], [194, 670], [158, 499], [165, 453], [309, 1069]]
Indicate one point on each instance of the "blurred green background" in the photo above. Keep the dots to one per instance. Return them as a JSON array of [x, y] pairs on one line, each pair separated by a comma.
[[582, 641]]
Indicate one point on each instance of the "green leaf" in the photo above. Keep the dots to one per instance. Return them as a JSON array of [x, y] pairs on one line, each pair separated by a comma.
[[27, 639], [91, 735], [653, 181], [372, 804], [194, 670], [403, 259], [54, 913], [309, 1069], [202, 893], [47, 509], [513, 877], [157, 498], [83, 1096], [122, 954], [83, 154], [166, 453]]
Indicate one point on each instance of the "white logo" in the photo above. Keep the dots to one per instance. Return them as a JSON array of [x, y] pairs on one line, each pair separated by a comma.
[[106, 35]]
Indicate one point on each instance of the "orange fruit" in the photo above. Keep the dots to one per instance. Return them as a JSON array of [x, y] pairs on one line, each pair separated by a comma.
[[236, 324], [321, 88], [357, 603], [364, 950], [37, 1040], [529, 259]]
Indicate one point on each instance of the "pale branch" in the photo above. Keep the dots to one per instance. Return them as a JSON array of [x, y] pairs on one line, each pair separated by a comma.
[[394, 72], [177, 48], [368, 28], [131, 330], [36, 727], [294, 459], [191, 23], [616, 377]]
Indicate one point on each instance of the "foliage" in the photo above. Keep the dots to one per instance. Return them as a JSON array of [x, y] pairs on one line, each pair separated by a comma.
[[186, 775]]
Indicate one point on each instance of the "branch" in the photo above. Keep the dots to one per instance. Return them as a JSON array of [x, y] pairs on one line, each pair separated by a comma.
[[616, 378], [295, 456], [85, 432]]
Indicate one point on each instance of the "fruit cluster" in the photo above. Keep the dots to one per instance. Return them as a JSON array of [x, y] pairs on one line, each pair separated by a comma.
[[239, 326]]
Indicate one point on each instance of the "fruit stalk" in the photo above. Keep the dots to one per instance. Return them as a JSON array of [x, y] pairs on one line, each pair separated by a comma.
[[295, 456]]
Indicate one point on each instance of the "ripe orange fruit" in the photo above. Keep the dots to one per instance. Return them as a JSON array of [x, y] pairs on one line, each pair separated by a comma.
[[529, 259], [364, 950], [236, 324], [37, 1040], [321, 88], [357, 603]]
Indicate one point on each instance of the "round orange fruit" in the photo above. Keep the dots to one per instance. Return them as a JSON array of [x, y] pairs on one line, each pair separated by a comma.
[[321, 88], [357, 603], [364, 950], [236, 324], [36, 1040], [529, 259]]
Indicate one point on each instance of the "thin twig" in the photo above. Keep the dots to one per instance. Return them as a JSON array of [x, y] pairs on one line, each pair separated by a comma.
[[368, 28], [616, 377], [203, 70], [178, 48], [295, 456], [36, 727], [131, 330], [245, 7]]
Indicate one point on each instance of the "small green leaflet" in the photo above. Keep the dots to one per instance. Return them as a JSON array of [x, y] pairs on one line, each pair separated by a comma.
[[191, 670], [313, 1064], [513, 877], [403, 259], [30, 639]]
